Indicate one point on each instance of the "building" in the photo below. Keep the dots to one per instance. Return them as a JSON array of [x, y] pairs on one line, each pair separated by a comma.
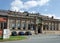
[[35, 23]]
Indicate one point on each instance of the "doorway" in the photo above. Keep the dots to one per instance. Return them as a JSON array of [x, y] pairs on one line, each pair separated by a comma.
[[39, 29]]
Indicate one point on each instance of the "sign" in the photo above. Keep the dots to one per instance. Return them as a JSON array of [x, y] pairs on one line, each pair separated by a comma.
[[6, 34]]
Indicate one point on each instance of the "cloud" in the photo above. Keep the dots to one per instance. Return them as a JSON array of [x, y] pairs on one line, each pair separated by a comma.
[[16, 5], [19, 4], [50, 15], [30, 4], [43, 2]]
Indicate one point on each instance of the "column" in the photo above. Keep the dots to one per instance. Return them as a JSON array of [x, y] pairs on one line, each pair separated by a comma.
[[49, 25], [52, 26], [42, 27], [55, 26], [59, 26], [8, 23], [16, 23], [35, 27], [46, 26], [26, 25], [21, 24]]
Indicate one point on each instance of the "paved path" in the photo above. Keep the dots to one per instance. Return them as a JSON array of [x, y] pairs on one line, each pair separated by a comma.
[[39, 39]]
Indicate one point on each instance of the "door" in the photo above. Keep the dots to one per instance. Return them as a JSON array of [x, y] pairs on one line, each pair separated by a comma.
[[39, 29]]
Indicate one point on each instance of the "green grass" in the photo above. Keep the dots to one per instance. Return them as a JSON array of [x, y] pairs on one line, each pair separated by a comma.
[[13, 38]]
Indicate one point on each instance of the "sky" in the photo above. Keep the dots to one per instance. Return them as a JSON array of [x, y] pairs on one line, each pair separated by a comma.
[[44, 7]]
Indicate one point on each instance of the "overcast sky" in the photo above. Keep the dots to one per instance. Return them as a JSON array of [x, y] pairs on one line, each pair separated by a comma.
[[45, 7]]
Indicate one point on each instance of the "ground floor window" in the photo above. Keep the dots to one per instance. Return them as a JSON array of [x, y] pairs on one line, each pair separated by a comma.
[[13, 26], [5, 25], [18, 24], [30, 27], [45, 27], [24, 25], [12, 23]]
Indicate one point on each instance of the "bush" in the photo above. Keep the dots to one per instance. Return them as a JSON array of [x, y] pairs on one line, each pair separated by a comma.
[[28, 33], [14, 33], [21, 33]]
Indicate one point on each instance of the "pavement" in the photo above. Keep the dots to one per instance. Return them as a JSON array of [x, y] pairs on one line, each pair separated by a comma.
[[41, 38]]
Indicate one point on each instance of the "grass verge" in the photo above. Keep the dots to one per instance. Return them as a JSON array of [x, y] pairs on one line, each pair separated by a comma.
[[13, 38]]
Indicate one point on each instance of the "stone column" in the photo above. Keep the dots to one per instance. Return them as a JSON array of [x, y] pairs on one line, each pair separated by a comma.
[[35, 27], [55, 26], [21, 25], [49, 25], [59, 26], [42, 27], [52, 25], [26, 25], [8, 23], [16, 23]]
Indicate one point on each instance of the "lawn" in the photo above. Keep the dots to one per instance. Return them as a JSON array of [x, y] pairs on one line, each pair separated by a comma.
[[13, 38]]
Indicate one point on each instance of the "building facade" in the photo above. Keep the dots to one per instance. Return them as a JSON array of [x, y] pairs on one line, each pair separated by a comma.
[[35, 23]]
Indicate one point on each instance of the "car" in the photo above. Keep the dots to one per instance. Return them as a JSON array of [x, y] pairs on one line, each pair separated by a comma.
[[21, 33], [28, 33], [14, 33]]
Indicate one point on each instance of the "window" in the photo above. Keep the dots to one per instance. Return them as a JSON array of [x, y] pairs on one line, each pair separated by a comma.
[[50, 27], [18, 24], [34, 28], [13, 26], [23, 25], [30, 27], [53, 27], [56, 26], [5, 25], [45, 27]]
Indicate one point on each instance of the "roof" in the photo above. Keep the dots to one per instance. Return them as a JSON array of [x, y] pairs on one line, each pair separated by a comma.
[[20, 14]]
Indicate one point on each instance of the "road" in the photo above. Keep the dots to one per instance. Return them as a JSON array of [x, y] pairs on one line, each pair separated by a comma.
[[39, 39]]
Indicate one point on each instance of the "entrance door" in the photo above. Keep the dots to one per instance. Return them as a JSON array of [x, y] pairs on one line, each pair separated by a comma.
[[39, 29]]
